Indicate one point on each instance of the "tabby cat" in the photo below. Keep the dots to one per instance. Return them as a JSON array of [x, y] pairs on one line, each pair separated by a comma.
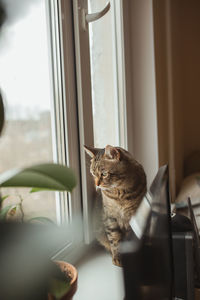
[[122, 181]]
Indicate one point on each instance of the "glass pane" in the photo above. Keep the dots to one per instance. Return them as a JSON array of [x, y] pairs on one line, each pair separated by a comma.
[[103, 76], [25, 83]]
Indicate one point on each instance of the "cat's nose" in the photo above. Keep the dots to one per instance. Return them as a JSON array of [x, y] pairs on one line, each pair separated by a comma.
[[97, 181]]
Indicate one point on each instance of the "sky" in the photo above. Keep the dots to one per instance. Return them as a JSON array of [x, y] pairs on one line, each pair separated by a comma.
[[24, 61]]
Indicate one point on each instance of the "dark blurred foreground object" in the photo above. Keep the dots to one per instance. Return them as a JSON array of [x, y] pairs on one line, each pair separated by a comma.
[[2, 14], [2, 116], [147, 258], [181, 223], [26, 269], [159, 259]]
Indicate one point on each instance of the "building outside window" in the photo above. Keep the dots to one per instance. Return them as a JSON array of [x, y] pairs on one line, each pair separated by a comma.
[[25, 84]]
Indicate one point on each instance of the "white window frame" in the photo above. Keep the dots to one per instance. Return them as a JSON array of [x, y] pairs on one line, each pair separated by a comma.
[[64, 116], [120, 71], [72, 102], [85, 100]]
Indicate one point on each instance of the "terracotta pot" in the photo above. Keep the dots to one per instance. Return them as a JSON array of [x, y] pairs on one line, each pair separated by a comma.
[[72, 271]]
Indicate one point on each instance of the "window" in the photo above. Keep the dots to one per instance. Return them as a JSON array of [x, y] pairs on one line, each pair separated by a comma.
[[41, 124], [103, 77], [60, 82], [100, 93], [25, 82]]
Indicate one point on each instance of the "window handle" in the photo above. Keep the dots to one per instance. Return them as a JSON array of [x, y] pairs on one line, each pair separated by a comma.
[[87, 18]]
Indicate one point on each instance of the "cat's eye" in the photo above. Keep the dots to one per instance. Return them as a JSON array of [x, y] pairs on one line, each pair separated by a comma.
[[104, 174]]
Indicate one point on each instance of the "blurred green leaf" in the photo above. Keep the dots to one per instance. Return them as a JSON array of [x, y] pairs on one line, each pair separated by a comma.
[[4, 211], [3, 198], [42, 220], [58, 288], [12, 211], [50, 176]]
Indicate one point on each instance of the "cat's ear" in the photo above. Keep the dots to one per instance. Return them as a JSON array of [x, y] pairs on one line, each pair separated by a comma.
[[112, 152], [90, 151]]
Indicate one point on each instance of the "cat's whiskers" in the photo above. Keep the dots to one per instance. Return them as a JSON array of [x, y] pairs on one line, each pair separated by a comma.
[[98, 187]]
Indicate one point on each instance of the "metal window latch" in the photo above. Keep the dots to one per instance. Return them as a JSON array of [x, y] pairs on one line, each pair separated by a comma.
[[87, 18]]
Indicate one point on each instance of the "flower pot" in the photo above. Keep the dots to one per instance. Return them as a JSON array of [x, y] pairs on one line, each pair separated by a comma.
[[72, 272]]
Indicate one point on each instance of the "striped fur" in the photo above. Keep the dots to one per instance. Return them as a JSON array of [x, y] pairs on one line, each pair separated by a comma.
[[122, 181]]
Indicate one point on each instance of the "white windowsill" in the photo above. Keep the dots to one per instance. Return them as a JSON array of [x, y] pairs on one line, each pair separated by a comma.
[[98, 278]]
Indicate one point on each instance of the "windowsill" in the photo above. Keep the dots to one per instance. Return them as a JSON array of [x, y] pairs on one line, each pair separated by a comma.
[[98, 278]]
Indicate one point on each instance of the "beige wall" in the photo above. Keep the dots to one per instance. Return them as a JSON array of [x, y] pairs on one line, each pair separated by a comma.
[[177, 44], [188, 14], [166, 93], [141, 89]]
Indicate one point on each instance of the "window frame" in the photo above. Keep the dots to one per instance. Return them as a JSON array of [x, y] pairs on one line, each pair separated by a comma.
[[64, 114], [84, 97], [73, 103]]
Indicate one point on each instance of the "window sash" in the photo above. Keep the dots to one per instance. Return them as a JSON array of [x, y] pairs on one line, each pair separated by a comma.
[[73, 119], [85, 98], [85, 112], [65, 122]]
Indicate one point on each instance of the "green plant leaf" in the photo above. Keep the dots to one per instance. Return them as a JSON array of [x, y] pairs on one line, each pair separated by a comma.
[[50, 176], [12, 211], [58, 288], [3, 198], [4, 211], [44, 220]]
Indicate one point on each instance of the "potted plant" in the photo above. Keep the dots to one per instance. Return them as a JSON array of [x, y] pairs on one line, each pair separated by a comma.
[[57, 280], [72, 275], [53, 177]]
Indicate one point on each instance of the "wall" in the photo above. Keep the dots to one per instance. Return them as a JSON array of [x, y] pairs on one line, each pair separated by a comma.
[[188, 15], [177, 48], [168, 92], [162, 46]]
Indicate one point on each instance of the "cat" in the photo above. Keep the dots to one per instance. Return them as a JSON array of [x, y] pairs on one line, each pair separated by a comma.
[[122, 181]]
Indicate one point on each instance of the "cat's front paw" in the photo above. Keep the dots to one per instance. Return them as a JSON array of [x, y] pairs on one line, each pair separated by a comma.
[[116, 261]]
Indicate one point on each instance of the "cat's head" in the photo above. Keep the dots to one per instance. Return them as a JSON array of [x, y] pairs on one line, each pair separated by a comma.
[[109, 166]]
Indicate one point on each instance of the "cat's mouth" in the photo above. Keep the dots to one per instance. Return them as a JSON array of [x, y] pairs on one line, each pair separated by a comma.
[[98, 187], [104, 188]]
